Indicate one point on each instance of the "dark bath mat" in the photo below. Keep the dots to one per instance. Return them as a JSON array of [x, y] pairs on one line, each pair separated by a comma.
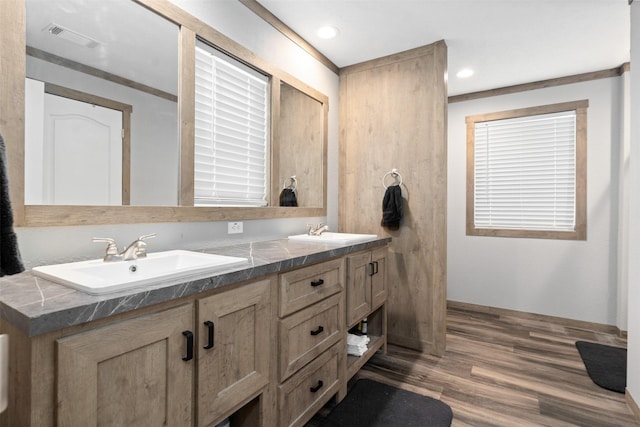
[[373, 404], [606, 365]]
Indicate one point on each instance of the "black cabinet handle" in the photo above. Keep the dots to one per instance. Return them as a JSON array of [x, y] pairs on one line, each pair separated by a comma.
[[375, 263], [210, 328], [317, 331], [318, 282], [316, 387], [373, 271], [189, 336]]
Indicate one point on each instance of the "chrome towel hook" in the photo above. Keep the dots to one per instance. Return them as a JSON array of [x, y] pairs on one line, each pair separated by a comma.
[[395, 174], [290, 183]]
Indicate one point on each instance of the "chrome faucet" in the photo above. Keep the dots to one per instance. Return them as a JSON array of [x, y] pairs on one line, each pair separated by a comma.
[[316, 230], [112, 249], [137, 249]]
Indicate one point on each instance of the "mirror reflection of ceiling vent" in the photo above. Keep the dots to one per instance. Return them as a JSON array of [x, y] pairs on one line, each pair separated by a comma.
[[72, 36]]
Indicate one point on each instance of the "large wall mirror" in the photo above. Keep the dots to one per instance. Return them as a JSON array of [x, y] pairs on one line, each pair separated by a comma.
[[108, 133], [116, 51]]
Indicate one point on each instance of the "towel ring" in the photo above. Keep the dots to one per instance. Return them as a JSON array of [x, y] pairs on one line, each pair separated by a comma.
[[291, 183], [394, 173]]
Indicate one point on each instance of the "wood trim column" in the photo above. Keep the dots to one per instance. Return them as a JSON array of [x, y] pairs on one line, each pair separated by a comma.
[[393, 114]]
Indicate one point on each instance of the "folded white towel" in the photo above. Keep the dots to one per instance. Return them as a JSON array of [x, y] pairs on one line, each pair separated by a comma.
[[357, 339], [356, 352], [357, 344]]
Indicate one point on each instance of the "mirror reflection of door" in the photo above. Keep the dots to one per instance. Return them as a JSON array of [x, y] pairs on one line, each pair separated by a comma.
[[82, 158], [74, 152]]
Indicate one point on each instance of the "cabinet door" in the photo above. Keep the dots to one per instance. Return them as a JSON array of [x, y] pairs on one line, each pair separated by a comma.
[[358, 287], [233, 349], [379, 278], [131, 373]]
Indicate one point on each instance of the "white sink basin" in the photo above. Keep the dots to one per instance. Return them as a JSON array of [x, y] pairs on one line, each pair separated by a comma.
[[335, 238], [98, 277]]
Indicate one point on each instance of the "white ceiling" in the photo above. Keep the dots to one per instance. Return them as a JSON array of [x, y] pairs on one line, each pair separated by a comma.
[[505, 42]]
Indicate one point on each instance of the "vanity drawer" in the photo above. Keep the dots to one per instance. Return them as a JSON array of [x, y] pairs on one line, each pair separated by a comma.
[[306, 334], [306, 392], [305, 286]]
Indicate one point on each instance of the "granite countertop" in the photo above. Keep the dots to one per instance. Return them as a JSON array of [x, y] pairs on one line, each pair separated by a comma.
[[36, 306]]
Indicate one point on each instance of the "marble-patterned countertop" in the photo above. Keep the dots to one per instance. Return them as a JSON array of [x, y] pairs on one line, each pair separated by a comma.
[[36, 306]]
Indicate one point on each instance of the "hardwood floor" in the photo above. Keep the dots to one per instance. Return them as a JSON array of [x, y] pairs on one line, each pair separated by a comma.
[[504, 370]]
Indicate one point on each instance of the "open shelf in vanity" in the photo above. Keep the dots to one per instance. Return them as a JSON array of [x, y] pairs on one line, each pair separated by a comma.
[[377, 333]]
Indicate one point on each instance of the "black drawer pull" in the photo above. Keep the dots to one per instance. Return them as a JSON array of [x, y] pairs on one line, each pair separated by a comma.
[[189, 336], [375, 263], [210, 327], [317, 331], [318, 282], [316, 387], [373, 269]]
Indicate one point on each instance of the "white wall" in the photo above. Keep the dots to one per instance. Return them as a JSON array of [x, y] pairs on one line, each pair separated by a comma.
[[575, 280], [633, 342], [59, 244]]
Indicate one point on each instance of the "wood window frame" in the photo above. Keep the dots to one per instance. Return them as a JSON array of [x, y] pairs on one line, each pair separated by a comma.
[[580, 229]]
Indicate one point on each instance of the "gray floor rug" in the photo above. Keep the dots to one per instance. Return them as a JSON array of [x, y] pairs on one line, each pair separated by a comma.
[[373, 404], [606, 365]]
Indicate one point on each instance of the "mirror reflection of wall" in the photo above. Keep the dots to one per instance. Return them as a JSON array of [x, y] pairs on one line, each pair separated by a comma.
[[125, 53], [301, 145]]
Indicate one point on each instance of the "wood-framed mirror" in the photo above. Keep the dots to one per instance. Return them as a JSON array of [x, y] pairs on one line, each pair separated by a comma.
[[303, 138]]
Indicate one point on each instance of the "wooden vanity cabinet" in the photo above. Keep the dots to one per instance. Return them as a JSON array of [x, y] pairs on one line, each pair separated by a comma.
[[129, 373], [141, 371], [366, 283], [311, 342], [233, 351], [266, 352], [366, 295]]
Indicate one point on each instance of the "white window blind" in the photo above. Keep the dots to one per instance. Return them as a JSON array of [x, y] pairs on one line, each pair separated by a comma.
[[525, 173], [231, 133]]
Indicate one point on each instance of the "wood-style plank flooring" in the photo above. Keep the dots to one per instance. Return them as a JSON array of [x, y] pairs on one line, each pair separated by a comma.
[[503, 370]]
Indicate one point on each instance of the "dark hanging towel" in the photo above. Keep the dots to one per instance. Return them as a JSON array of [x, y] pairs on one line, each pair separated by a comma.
[[392, 207], [288, 197], [10, 261]]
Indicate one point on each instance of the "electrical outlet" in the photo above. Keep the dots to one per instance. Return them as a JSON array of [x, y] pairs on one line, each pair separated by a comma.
[[234, 227]]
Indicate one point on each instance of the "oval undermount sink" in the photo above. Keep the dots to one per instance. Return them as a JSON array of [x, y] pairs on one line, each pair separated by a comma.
[[335, 238], [98, 277]]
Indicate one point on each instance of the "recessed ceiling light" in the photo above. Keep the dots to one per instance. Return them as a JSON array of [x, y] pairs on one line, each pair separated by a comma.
[[327, 32], [464, 73]]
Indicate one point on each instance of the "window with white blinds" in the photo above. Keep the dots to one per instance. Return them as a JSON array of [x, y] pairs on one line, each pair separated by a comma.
[[231, 132], [525, 172]]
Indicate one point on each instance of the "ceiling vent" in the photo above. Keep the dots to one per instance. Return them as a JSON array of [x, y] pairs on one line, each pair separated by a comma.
[[71, 36]]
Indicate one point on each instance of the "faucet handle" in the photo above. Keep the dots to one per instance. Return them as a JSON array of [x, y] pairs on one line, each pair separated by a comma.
[[141, 251], [112, 248]]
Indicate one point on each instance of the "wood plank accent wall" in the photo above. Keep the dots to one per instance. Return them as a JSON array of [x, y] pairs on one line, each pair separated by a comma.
[[12, 66], [393, 114]]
